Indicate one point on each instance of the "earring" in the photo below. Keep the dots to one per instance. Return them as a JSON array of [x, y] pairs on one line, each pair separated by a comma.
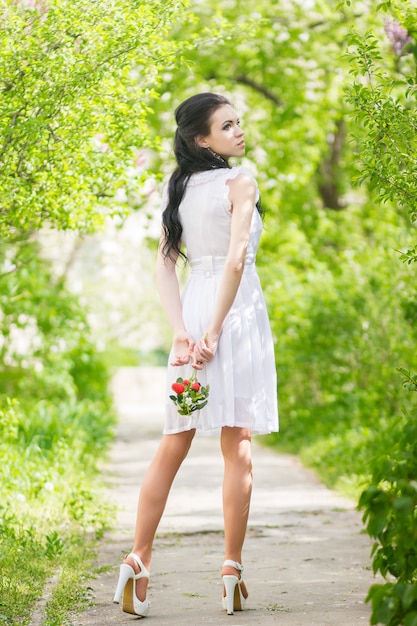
[[217, 156]]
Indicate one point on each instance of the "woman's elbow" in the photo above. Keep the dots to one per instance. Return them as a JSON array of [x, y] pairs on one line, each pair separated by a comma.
[[235, 266], [236, 258]]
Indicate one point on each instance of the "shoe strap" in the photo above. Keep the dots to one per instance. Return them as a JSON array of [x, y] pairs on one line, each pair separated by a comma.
[[234, 564], [144, 573]]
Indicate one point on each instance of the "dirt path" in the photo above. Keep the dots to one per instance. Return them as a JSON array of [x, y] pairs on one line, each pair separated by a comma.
[[306, 561]]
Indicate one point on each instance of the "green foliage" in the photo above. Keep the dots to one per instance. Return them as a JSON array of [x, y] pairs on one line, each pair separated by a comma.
[[54, 545], [387, 114], [410, 382], [340, 334], [383, 96], [78, 81], [390, 504], [54, 426], [391, 602], [20, 548]]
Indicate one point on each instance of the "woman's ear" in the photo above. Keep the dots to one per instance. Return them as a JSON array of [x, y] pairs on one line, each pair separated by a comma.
[[201, 141]]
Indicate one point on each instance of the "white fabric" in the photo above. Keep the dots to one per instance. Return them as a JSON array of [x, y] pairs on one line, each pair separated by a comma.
[[242, 376]]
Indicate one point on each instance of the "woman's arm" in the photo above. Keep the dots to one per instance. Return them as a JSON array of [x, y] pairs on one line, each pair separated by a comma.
[[169, 291], [243, 196]]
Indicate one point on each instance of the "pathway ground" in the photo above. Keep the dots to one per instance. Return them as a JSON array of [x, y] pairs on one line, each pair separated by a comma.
[[306, 560]]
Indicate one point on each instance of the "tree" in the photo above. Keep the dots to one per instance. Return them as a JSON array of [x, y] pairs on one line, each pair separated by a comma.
[[78, 81], [384, 99]]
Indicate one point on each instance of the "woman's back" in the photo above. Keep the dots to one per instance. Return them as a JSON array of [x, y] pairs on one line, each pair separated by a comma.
[[205, 214]]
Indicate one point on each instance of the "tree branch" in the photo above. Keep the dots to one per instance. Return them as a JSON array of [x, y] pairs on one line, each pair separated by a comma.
[[329, 171], [245, 80]]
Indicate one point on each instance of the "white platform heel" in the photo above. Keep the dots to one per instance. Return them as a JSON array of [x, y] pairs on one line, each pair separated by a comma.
[[234, 599], [126, 588]]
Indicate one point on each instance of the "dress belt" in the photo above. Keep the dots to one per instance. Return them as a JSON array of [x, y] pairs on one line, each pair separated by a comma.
[[212, 265]]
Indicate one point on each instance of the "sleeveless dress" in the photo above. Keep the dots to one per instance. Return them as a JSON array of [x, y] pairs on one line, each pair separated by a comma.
[[242, 375]]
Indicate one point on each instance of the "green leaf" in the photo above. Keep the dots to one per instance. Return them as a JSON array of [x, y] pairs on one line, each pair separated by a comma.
[[409, 597], [411, 619]]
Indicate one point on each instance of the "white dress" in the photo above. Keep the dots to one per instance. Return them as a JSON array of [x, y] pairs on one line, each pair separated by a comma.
[[242, 375]]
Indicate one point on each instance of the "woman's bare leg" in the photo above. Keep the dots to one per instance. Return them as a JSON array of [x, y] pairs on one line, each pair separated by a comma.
[[153, 496], [237, 489]]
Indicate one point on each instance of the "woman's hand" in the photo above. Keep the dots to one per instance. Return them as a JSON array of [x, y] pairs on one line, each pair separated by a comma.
[[204, 352], [183, 347]]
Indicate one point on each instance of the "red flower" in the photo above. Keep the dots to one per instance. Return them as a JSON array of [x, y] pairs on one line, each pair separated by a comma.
[[190, 395]]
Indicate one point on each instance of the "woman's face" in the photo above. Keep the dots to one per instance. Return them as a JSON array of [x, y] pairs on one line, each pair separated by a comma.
[[226, 135]]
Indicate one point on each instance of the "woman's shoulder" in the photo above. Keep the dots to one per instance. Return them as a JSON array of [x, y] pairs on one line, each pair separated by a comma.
[[241, 170], [220, 174]]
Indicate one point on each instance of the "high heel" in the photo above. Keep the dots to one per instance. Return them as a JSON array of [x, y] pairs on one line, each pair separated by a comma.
[[234, 600], [126, 588]]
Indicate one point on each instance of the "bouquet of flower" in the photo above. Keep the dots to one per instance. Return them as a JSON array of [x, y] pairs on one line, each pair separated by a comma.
[[190, 395]]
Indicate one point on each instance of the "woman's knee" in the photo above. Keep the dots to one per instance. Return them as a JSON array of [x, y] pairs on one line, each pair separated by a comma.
[[236, 446], [178, 444]]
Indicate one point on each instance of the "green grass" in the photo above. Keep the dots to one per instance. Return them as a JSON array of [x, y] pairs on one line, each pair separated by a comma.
[[29, 558], [24, 569], [53, 506], [27, 567], [72, 593]]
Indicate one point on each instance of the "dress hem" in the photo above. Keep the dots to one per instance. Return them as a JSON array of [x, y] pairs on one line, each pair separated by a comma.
[[211, 432]]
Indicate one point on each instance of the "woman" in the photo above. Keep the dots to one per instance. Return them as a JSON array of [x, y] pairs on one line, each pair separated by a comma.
[[221, 330]]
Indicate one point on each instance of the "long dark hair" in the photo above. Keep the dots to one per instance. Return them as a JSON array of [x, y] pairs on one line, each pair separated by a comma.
[[193, 119]]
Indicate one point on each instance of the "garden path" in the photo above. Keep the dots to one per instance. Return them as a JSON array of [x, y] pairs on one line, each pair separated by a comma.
[[306, 561]]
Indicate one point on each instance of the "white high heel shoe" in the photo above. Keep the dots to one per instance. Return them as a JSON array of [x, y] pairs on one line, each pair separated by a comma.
[[126, 588], [234, 599]]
